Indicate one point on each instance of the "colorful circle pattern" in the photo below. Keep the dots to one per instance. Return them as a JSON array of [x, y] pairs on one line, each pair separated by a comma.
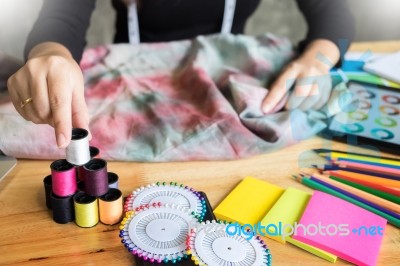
[[389, 110], [392, 99], [366, 94], [353, 128], [358, 116], [385, 121], [380, 133]]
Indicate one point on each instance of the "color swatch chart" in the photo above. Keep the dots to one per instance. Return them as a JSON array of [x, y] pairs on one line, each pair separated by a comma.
[[375, 114]]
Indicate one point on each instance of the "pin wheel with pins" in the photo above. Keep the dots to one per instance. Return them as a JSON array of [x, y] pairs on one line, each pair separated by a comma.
[[157, 232], [210, 244], [167, 193]]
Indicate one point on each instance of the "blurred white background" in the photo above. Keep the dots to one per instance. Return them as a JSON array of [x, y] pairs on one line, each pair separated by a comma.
[[376, 20]]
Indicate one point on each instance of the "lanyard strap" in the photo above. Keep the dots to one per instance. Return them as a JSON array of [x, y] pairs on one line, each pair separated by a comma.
[[133, 22], [229, 12]]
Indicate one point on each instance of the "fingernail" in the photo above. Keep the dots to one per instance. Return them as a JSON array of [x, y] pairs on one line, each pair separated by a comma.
[[61, 141]]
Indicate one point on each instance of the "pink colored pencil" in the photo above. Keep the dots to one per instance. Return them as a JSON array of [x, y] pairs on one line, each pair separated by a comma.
[[368, 168]]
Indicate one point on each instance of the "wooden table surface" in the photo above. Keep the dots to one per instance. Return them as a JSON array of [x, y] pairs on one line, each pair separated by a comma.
[[29, 236]]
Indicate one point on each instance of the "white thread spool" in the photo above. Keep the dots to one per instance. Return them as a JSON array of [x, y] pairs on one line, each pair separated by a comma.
[[78, 152]]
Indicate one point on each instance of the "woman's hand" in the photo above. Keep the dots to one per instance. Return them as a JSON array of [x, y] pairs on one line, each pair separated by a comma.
[[309, 74], [49, 89]]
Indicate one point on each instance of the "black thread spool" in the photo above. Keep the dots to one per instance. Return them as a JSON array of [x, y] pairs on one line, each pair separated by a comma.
[[81, 186], [47, 181], [94, 152], [112, 180], [63, 209], [96, 177], [80, 172]]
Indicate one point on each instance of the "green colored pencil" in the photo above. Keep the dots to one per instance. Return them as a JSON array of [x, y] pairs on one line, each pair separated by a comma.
[[314, 185], [375, 192]]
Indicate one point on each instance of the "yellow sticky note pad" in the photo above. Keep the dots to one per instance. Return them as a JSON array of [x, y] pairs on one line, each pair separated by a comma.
[[248, 202], [287, 211], [313, 250]]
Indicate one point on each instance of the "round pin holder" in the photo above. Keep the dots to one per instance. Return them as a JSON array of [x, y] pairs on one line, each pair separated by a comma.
[[167, 193], [210, 244], [157, 233]]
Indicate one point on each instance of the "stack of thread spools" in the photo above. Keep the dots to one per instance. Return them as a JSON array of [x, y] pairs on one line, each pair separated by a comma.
[[80, 188]]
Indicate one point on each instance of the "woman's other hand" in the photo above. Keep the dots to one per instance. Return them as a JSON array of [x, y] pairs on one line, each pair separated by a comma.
[[309, 75]]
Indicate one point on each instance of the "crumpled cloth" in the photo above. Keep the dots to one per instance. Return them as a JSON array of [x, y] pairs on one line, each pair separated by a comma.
[[180, 101]]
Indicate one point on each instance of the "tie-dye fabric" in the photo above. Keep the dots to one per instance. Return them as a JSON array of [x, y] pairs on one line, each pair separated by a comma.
[[178, 101]]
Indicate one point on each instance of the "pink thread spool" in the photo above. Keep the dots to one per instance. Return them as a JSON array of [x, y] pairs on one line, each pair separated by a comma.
[[63, 177]]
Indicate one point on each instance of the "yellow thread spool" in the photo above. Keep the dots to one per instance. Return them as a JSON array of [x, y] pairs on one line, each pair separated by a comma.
[[86, 210], [111, 207]]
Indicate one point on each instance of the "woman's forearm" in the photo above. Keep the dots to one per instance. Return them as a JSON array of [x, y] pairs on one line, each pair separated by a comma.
[[62, 22]]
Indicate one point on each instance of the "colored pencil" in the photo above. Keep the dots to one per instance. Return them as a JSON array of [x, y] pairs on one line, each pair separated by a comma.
[[375, 202], [366, 202], [314, 185], [383, 184], [369, 163], [337, 166], [375, 192], [356, 156], [359, 193], [367, 169]]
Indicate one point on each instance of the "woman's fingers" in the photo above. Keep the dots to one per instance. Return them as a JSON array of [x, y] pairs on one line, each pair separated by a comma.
[[80, 115], [279, 88], [52, 83], [60, 101], [308, 101], [305, 93], [312, 88], [326, 87], [310, 92], [12, 84], [40, 108]]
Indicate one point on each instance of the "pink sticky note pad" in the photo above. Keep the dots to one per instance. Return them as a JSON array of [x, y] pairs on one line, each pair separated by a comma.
[[358, 234]]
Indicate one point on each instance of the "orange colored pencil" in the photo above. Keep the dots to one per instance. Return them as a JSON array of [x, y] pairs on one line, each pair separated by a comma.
[[383, 184], [367, 196]]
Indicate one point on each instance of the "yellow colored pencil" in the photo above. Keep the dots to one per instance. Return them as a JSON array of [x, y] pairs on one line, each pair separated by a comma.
[[365, 158]]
